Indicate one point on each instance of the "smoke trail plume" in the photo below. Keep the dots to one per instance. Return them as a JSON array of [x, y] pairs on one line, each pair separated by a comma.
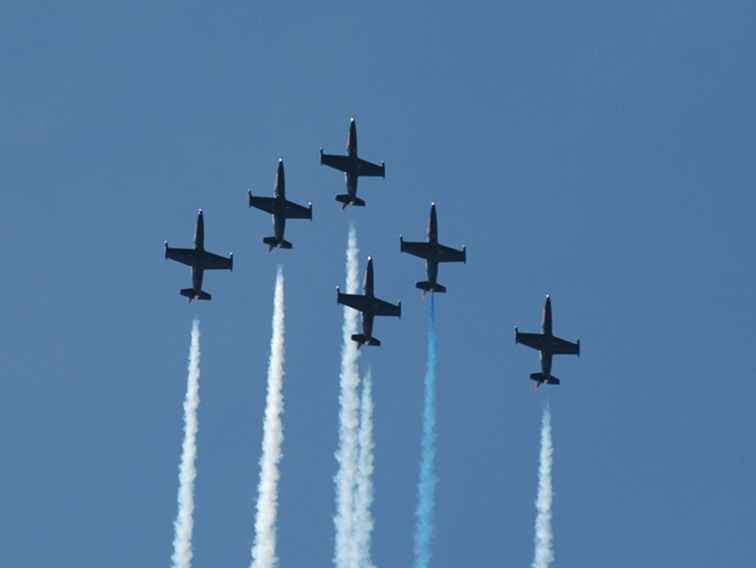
[[363, 518], [426, 485], [544, 551], [346, 455], [182, 540], [264, 547]]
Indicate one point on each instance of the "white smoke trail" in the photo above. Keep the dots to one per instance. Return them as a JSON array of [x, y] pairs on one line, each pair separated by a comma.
[[264, 547], [363, 518], [182, 539], [544, 551], [426, 484], [346, 454]]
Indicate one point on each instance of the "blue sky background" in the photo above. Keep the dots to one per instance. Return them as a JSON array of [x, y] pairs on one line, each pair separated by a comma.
[[598, 151]]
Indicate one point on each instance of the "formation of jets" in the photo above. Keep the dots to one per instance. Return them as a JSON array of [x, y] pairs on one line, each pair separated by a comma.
[[432, 251]]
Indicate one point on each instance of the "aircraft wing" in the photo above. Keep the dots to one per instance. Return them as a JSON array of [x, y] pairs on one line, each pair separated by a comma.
[[383, 308], [295, 211], [182, 255], [210, 261], [534, 340], [563, 347], [265, 203], [448, 254], [368, 169], [356, 301], [423, 250], [335, 161]]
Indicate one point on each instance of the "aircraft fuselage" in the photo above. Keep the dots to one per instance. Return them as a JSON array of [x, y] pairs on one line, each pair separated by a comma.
[[547, 355], [351, 177], [431, 268], [279, 219], [197, 275], [367, 324]]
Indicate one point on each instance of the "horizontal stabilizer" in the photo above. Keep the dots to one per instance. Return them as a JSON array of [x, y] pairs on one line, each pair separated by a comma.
[[191, 293], [345, 200], [541, 378], [273, 242], [363, 339], [426, 286]]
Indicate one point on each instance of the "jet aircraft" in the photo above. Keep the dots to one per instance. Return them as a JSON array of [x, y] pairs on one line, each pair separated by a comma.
[[353, 167], [549, 345], [370, 306], [434, 253], [280, 209], [199, 260]]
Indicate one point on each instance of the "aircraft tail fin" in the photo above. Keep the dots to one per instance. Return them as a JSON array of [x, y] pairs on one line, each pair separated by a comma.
[[426, 286], [346, 199], [363, 339], [191, 293], [540, 378], [273, 242]]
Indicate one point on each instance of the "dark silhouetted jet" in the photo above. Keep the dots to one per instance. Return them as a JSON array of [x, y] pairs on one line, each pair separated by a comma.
[[433, 253], [549, 345], [353, 167], [370, 306], [280, 209], [200, 260]]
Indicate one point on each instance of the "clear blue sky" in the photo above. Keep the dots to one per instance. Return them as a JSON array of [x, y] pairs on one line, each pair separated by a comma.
[[598, 151]]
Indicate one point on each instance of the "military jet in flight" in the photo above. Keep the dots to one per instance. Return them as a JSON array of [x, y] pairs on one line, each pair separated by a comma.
[[280, 209], [200, 260], [434, 253], [370, 306], [353, 167], [549, 345]]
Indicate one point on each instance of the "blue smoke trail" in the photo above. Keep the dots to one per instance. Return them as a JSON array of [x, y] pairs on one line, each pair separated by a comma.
[[426, 485]]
